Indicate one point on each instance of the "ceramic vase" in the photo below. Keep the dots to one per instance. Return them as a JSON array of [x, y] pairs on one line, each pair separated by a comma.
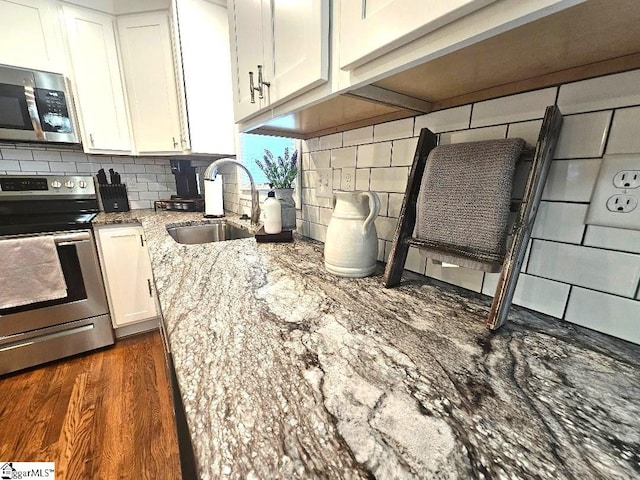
[[351, 246], [288, 204]]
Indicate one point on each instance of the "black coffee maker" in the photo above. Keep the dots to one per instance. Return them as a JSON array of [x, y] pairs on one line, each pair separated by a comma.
[[186, 180]]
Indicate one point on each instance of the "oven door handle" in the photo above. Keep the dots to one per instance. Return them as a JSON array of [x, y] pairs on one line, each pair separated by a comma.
[[71, 238]]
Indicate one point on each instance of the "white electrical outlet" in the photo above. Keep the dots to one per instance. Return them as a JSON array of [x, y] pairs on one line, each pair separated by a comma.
[[324, 182], [348, 179], [614, 202]]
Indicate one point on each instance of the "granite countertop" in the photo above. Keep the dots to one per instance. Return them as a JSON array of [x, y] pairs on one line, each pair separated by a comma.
[[289, 372]]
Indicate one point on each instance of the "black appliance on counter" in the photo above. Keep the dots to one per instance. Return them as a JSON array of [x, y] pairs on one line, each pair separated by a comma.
[[188, 198], [186, 179], [61, 207]]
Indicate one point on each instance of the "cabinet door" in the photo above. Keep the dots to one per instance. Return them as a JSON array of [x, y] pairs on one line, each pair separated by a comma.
[[150, 78], [30, 36], [97, 81], [206, 64], [126, 268], [300, 47], [249, 21], [370, 28]]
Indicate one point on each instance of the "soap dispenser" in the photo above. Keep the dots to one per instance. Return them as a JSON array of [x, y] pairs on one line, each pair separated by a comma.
[[272, 211]]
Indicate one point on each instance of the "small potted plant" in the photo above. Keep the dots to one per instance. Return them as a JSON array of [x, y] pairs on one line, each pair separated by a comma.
[[281, 173]]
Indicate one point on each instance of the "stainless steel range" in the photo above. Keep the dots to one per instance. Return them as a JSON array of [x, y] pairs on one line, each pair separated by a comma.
[[62, 208]]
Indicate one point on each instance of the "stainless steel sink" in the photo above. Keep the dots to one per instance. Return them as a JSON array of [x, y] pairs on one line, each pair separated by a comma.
[[205, 233]]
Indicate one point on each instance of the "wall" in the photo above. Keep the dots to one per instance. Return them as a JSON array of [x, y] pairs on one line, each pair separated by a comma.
[[147, 178], [587, 275]]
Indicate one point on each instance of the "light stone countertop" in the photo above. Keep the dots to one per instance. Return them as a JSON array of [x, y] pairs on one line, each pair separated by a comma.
[[289, 372]]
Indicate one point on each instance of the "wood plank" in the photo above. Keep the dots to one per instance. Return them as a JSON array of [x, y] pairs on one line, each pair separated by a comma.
[[107, 414]]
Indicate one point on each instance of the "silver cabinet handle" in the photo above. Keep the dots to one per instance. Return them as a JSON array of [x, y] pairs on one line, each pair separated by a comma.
[[175, 143], [70, 238], [261, 83], [91, 140], [149, 285], [252, 88]]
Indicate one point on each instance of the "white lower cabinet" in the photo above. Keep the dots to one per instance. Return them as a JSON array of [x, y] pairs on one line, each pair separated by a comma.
[[128, 278]]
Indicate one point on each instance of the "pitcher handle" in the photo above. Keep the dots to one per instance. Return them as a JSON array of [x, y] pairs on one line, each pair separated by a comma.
[[374, 210]]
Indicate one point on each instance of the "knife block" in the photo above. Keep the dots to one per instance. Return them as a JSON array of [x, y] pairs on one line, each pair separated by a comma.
[[114, 197]]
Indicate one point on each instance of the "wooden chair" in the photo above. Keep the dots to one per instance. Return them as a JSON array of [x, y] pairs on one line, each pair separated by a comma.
[[511, 262]]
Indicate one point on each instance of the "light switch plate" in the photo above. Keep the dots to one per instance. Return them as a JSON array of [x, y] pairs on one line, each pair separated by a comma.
[[612, 203], [324, 185]]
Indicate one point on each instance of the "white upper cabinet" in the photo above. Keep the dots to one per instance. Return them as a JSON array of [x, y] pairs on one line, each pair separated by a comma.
[[203, 31], [30, 36], [97, 81], [283, 43], [370, 28], [300, 47], [150, 78], [249, 24]]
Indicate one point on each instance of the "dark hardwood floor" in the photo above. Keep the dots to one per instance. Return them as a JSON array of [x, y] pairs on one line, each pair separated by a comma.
[[102, 415]]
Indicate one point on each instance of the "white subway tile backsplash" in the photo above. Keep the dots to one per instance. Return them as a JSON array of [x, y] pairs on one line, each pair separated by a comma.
[[381, 246], [343, 157], [462, 277], [311, 213], [563, 222], [594, 268], [393, 179], [358, 136], [393, 130], [320, 159], [325, 215], [403, 151], [149, 168], [571, 180], [47, 155], [624, 136], [529, 131], [416, 262], [536, 293], [608, 314], [136, 169], [584, 135], [31, 166], [79, 157], [613, 238], [474, 135], [150, 196], [384, 203], [311, 144], [10, 165], [514, 108], [444, 120], [63, 167], [374, 155], [362, 179], [16, 154], [611, 91], [386, 227], [395, 204], [138, 204], [330, 141], [337, 179]]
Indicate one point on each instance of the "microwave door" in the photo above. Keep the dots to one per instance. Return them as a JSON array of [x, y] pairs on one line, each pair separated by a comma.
[[19, 117]]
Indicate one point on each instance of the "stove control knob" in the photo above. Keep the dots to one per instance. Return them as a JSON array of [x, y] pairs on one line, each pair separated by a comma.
[[56, 184], [69, 184], [82, 184]]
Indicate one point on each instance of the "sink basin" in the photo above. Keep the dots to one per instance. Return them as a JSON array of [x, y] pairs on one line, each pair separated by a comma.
[[209, 232]]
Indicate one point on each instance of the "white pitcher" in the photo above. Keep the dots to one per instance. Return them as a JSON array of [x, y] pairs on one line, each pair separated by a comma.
[[351, 246]]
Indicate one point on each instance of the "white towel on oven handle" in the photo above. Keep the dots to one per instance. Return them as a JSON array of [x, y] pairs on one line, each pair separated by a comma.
[[30, 271]]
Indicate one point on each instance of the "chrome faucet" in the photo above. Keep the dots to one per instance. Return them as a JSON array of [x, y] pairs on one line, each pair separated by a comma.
[[212, 171]]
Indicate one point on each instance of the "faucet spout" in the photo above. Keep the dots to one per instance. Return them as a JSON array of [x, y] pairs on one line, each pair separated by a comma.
[[212, 171]]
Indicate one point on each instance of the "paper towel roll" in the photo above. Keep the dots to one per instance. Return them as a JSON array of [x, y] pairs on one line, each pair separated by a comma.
[[213, 206]]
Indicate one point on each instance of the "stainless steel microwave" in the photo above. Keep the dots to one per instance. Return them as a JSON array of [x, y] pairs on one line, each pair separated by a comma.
[[35, 106]]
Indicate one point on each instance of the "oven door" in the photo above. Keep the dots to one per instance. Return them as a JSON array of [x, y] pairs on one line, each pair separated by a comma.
[[85, 289]]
